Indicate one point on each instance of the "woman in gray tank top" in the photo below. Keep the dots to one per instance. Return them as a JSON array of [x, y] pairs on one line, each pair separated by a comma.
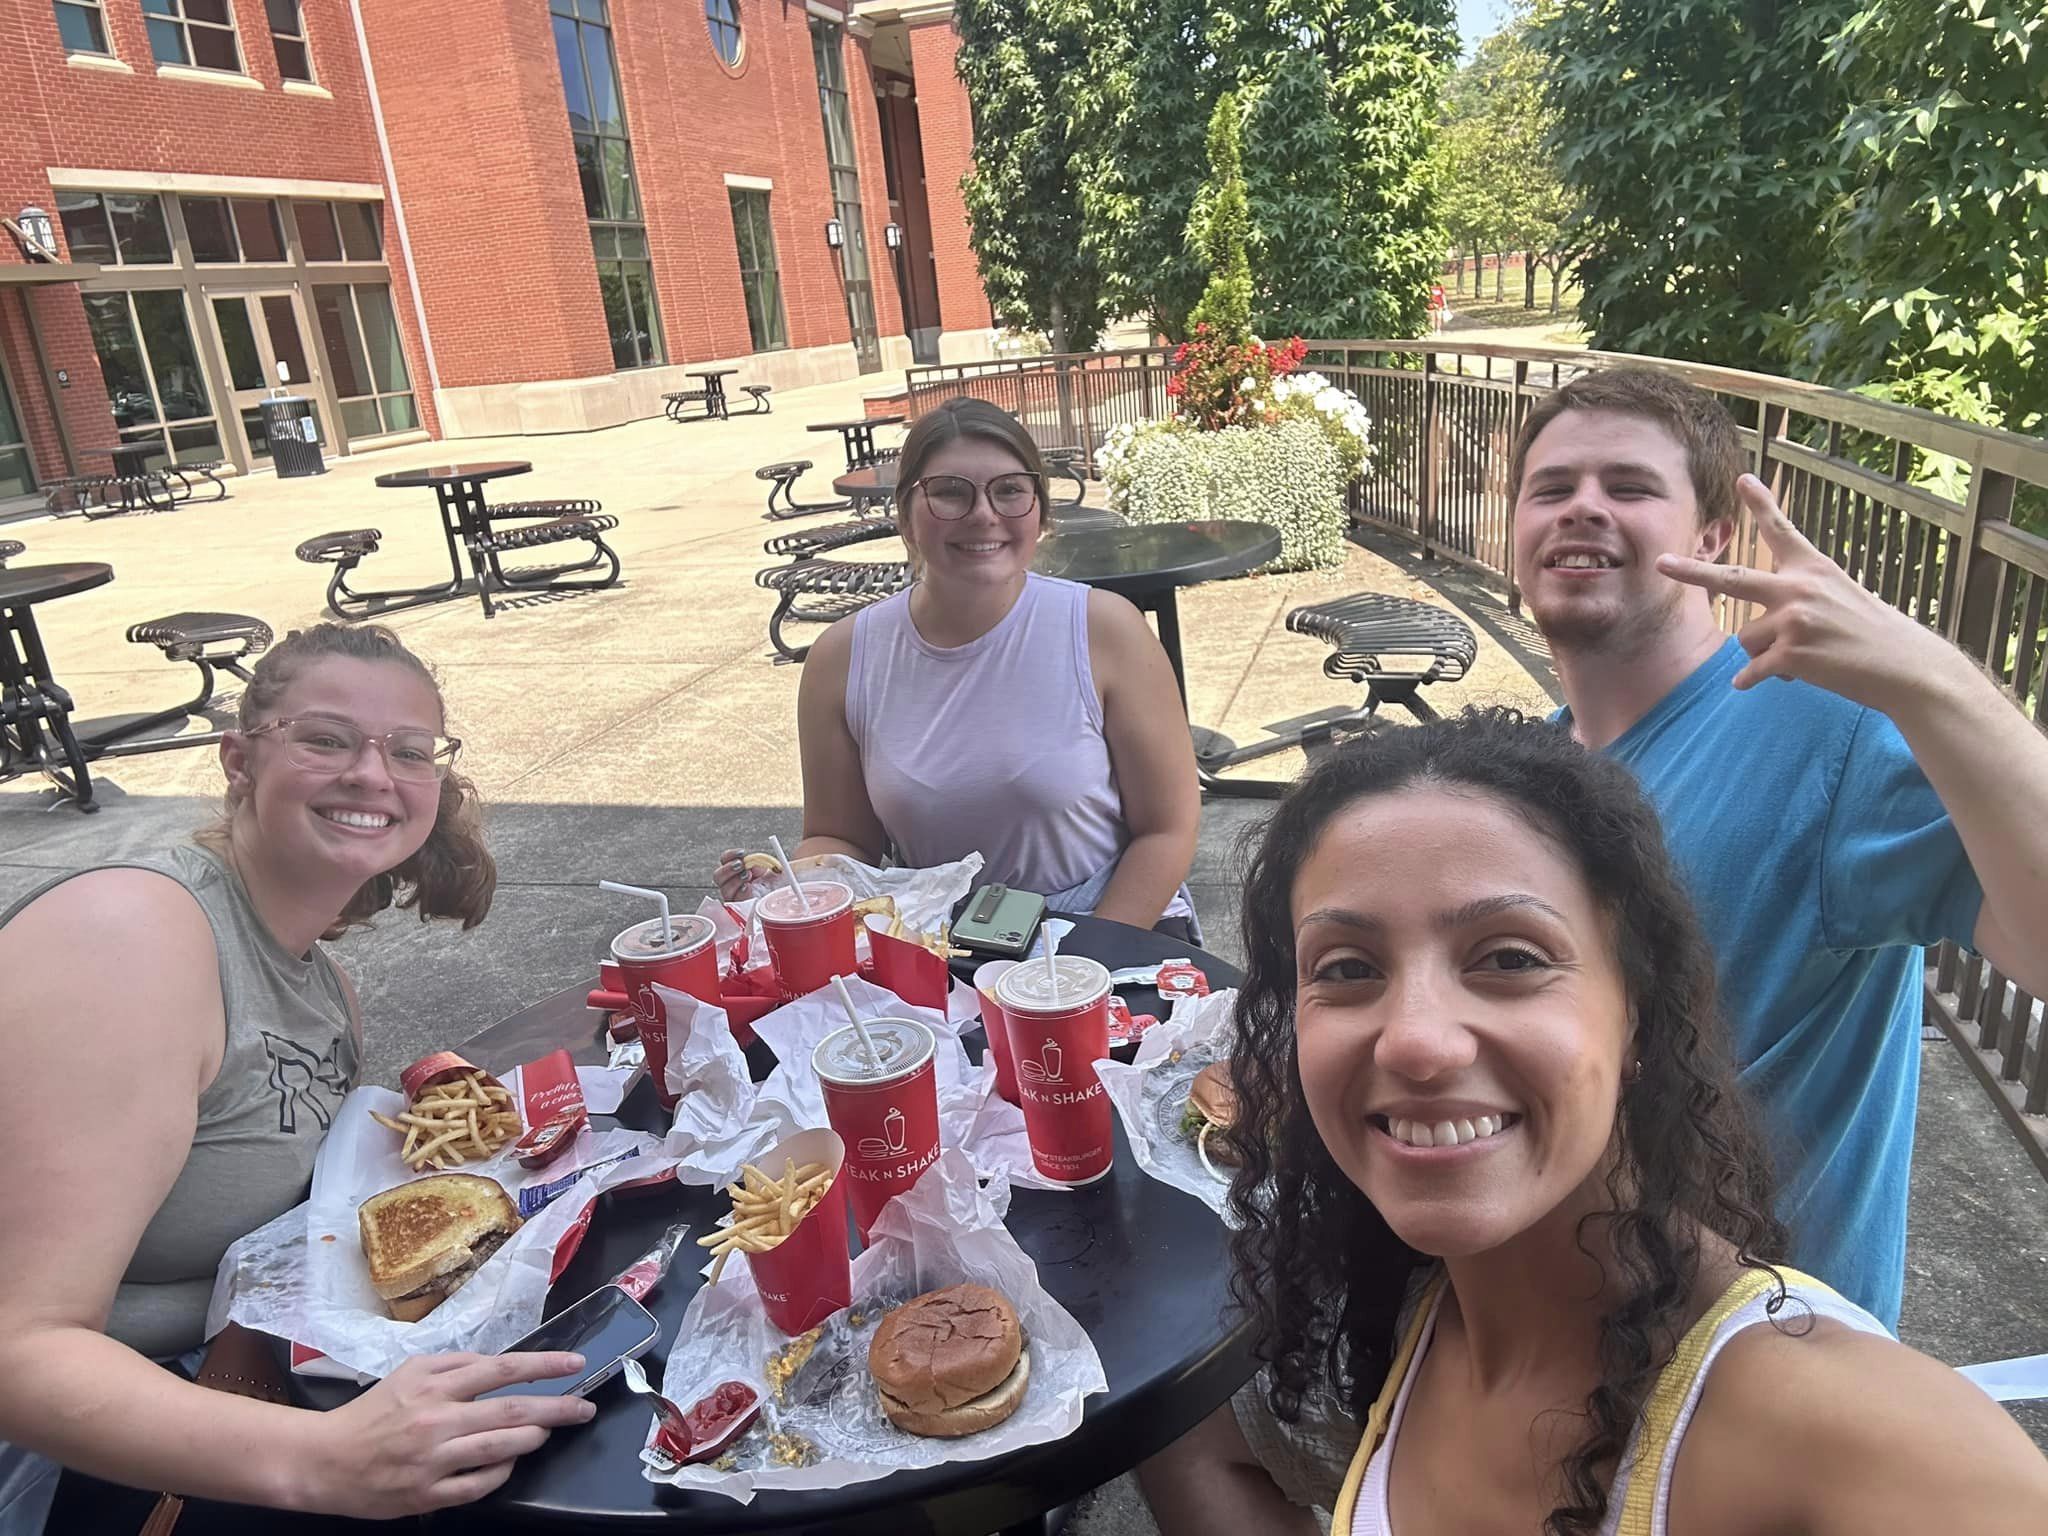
[[232, 1038], [990, 710]]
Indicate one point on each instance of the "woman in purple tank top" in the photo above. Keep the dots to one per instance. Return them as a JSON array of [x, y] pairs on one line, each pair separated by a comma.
[[990, 710]]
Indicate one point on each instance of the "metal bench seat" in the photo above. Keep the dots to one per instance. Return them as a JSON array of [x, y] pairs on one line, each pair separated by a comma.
[[212, 642], [588, 527], [806, 543], [208, 469], [812, 591], [760, 393], [344, 549], [782, 480], [561, 530], [676, 401], [1379, 639], [9, 548], [572, 506]]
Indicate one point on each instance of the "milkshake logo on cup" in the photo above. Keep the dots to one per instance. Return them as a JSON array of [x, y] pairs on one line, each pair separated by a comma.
[[891, 1143]]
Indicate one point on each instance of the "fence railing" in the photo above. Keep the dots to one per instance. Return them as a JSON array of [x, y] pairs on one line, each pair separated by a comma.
[[1920, 508]]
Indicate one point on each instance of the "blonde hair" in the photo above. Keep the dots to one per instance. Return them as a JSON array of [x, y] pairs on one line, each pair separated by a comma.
[[452, 874]]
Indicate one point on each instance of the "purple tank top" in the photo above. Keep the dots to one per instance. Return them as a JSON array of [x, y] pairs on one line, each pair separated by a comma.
[[994, 746]]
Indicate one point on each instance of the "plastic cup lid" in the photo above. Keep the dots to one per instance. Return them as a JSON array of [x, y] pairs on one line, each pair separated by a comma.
[[687, 931], [828, 898], [903, 1045], [1026, 985]]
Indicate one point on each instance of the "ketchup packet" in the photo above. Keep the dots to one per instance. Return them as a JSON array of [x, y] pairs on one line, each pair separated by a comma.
[[640, 1277]]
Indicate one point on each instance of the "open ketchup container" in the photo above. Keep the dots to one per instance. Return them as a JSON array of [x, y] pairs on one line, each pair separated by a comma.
[[808, 1276], [808, 944], [684, 958]]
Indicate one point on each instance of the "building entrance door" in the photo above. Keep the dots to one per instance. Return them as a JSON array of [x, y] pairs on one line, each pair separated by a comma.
[[257, 332]]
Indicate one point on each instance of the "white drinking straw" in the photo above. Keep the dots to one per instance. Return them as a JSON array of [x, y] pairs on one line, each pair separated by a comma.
[[789, 869], [1052, 967], [867, 1041], [667, 933]]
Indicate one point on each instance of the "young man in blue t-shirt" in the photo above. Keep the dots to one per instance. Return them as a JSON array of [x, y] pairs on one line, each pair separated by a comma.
[[1839, 784]]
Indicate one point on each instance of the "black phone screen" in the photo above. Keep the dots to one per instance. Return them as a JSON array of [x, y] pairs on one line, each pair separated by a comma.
[[604, 1327]]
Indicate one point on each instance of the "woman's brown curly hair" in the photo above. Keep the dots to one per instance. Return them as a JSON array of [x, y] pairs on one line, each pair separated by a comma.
[[453, 873], [1320, 1271]]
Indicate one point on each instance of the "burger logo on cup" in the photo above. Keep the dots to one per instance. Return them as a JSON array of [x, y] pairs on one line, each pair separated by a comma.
[[1046, 1069], [892, 1141], [1042, 1082]]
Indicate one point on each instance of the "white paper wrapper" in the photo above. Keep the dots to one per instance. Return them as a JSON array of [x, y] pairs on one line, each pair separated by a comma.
[[1151, 1093], [303, 1277], [944, 1232]]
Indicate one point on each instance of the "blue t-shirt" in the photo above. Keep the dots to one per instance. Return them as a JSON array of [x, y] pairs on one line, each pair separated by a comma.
[[1822, 863]]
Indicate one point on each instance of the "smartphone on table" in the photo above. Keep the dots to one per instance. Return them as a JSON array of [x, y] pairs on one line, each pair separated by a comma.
[[605, 1328], [999, 921]]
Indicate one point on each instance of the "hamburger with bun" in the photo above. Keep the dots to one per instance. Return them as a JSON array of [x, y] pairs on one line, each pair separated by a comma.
[[950, 1363], [1212, 1107]]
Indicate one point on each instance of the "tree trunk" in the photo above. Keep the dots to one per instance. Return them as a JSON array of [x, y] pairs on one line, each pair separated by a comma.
[[1528, 280], [1059, 325], [1556, 278], [1500, 275]]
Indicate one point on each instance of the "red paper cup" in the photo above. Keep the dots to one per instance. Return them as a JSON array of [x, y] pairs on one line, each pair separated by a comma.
[[908, 969], [1057, 1034], [888, 1112], [808, 1276], [986, 975], [809, 946], [684, 960]]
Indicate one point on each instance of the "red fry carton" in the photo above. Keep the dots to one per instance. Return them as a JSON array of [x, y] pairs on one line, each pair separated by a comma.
[[808, 1276]]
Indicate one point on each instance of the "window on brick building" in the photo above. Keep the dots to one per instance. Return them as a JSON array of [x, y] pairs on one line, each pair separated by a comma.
[[152, 374], [200, 33], [611, 192], [233, 229], [723, 18], [288, 37], [17, 473], [82, 26], [827, 44], [755, 237], [365, 360], [115, 228]]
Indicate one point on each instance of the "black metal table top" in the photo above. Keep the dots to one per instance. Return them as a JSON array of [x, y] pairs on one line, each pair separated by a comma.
[[1143, 1267], [857, 423], [1144, 558], [23, 585], [875, 481], [452, 474], [709, 373], [129, 457]]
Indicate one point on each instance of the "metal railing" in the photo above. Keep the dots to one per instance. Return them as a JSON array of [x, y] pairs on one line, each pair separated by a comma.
[[1918, 507]]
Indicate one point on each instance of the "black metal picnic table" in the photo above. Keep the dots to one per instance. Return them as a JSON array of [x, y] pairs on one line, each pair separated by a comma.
[[134, 481], [858, 433], [715, 402], [459, 492], [35, 710]]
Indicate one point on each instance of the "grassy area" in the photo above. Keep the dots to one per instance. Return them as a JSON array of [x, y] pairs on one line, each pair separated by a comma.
[[1470, 312]]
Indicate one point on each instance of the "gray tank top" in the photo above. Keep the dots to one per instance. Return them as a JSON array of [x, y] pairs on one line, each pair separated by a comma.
[[290, 1057]]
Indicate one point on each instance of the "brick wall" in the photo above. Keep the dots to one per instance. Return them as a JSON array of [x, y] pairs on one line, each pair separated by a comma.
[[947, 128]]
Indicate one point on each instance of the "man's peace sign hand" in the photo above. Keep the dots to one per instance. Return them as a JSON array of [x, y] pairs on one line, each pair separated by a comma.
[[1818, 625]]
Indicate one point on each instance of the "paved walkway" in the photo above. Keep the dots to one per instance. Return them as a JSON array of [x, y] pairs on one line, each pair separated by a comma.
[[633, 733]]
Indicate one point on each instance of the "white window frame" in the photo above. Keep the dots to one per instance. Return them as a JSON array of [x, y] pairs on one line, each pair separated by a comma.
[[99, 8], [185, 24], [303, 37]]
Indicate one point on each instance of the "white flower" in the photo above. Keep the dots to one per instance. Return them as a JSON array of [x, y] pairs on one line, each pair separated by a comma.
[[1247, 383]]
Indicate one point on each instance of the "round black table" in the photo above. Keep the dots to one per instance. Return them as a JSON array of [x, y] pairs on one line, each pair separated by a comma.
[[872, 483], [858, 434], [1150, 562], [1143, 1267], [459, 492], [35, 711], [715, 402]]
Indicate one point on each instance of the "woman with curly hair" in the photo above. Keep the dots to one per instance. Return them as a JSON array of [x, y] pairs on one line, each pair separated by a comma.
[[177, 1042], [1497, 1191]]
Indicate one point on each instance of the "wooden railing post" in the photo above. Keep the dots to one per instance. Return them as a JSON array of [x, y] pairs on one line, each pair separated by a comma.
[[1425, 520], [1970, 619]]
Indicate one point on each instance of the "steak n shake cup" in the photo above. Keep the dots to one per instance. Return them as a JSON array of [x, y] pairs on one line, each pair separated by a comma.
[[986, 975], [808, 945], [683, 958], [1057, 1033], [887, 1110]]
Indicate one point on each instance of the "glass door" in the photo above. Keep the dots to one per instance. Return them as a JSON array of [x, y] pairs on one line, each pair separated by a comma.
[[846, 207], [257, 332], [17, 474]]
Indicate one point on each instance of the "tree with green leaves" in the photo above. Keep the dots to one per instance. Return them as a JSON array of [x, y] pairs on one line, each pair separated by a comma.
[[1221, 228], [1497, 177], [1936, 284], [1019, 59], [1698, 138]]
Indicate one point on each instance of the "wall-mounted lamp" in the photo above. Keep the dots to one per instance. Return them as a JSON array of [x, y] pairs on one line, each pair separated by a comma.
[[893, 234], [835, 234], [37, 231]]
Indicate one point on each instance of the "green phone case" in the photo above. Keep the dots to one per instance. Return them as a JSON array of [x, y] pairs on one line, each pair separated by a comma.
[[999, 921]]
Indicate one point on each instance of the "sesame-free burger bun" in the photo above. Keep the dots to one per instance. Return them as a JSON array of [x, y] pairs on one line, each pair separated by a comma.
[[950, 1362]]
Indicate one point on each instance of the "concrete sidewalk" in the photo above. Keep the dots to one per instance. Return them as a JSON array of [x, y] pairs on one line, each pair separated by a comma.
[[634, 733]]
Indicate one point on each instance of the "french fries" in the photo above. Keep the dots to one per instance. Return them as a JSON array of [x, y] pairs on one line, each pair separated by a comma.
[[940, 943], [454, 1121], [765, 1210]]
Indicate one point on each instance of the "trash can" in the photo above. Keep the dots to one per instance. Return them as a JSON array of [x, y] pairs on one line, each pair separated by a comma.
[[294, 436]]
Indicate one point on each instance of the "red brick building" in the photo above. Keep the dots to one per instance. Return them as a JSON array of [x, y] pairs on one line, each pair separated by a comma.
[[461, 218]]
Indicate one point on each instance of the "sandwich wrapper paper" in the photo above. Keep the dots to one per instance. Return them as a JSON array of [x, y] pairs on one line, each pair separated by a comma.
[[723, 1120], [946, 1231], [303, 1276], [1151, 1093]]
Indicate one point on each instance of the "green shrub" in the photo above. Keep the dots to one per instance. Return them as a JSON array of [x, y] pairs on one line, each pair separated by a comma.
[[1290, 475]]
